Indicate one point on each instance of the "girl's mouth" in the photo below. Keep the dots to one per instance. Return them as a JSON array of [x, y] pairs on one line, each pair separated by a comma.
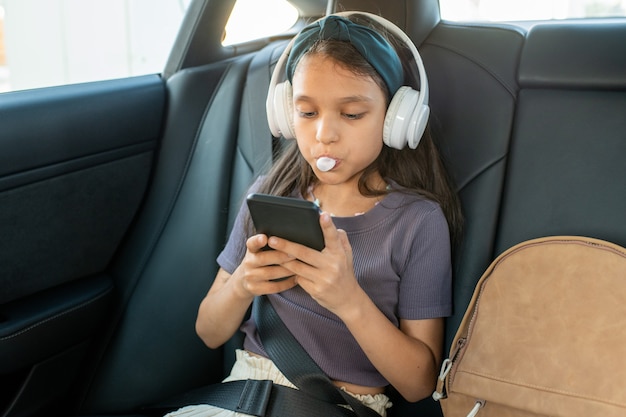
[[325, 163]]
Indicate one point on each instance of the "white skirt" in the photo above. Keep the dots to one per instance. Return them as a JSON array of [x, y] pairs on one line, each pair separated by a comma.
[[254, 367]]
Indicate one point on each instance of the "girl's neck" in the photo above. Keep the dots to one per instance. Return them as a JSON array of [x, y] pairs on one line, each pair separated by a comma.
[[344, 200]]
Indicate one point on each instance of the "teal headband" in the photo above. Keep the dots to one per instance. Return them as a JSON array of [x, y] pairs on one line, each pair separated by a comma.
[[369, 43]]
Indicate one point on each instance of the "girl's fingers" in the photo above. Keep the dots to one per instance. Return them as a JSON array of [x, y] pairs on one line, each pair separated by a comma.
[[329, 230], [345, 243], [309, 263], [263, 272], [256, 243], [308, 255], [272, 286]]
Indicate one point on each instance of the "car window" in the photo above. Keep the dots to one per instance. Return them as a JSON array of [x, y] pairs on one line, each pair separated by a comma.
[[243, 25], [515, 10], [45, 43]]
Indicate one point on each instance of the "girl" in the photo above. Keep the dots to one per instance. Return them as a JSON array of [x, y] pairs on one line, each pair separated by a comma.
[[369, 307]]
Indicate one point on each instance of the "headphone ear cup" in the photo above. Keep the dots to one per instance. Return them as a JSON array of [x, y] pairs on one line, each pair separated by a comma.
[[418, 126], [281, 114], [398, 117], [405, 120]]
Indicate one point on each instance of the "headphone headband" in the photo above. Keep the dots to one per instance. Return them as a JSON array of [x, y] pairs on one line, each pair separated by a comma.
[[399, 33], [370, 44], [279, 105]]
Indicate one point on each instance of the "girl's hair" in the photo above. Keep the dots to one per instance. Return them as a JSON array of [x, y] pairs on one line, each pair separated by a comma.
[[419, 170]]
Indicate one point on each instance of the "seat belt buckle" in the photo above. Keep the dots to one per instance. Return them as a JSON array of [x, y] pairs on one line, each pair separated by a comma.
[[255, 397]]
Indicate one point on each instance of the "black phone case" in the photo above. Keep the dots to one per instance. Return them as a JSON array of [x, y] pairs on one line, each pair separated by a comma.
[[288, 218]]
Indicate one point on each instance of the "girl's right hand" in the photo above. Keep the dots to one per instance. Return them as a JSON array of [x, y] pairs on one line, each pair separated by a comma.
[[226, 304], [261, 272]]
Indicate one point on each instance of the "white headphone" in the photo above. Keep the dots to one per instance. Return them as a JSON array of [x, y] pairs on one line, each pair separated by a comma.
[[406, 117]]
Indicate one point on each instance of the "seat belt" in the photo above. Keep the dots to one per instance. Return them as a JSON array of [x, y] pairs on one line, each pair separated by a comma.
[[295, 363], [316, 396], [260, 398], [254, 113]]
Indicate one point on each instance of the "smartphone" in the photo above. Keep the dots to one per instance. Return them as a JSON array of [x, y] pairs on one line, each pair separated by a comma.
[[288, 218]]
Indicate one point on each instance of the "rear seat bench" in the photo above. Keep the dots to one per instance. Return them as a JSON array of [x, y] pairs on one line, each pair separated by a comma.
[[473, 92], [566, 172], [531, 124]]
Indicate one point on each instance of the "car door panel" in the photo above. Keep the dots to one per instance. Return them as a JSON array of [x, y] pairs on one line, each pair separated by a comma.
[[71, 181], [75, 162]]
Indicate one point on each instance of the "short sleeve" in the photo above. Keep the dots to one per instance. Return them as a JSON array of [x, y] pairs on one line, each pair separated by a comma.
[[235, 249], [426, 281]]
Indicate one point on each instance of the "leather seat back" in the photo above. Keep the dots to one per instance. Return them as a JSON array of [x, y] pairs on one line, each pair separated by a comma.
[[167, 263], [566, 171], [472, 73]]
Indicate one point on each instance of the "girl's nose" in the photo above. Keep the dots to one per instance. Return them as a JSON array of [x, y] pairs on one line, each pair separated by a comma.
[[326, 130]]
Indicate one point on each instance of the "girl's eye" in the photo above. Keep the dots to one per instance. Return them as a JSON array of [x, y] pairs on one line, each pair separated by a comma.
[[351, 116], [307, 114]]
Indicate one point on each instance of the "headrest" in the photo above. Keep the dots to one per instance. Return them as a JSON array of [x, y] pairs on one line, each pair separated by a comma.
[[565, 55], [417, 18]]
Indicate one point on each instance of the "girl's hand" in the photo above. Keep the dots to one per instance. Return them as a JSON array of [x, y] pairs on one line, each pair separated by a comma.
[[328, 276], [227, 302], [261, 272]]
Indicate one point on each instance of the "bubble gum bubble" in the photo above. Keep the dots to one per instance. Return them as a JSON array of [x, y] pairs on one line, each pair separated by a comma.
[[325, 164]]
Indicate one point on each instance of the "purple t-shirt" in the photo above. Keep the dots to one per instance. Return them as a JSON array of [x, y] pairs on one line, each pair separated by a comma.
[[401, 251]]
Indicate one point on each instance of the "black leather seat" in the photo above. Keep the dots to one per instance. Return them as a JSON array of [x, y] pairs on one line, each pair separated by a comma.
[[166, 265], [566, 172]]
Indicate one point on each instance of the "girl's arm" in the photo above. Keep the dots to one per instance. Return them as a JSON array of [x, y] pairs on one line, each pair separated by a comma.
[[407, 357], [222, 310], [225, 305]]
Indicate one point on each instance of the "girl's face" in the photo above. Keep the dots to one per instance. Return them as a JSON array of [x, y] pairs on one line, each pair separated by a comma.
[[338, 115]]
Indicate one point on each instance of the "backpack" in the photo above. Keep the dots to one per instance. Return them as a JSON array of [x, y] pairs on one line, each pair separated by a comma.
[[544, 334]]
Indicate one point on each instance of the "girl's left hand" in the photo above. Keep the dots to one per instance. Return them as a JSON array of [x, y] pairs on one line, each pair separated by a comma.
[[328, 276]]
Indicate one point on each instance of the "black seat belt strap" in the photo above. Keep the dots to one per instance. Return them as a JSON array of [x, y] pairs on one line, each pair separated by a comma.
[[260, 398], [254, 116], [295, 363], [317, 395]]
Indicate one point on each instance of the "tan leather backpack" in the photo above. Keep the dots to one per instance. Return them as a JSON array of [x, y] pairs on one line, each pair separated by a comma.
[[544, 335]]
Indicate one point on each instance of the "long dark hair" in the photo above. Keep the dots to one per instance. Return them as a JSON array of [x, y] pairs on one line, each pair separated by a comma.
[[420, 171]]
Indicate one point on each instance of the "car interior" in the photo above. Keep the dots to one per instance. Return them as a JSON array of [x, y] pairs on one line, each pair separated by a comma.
[[117, 196]]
